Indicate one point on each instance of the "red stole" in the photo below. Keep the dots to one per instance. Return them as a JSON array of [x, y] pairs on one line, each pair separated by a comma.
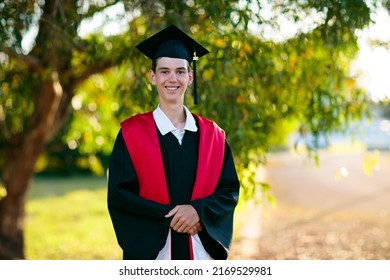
[[141, 138]]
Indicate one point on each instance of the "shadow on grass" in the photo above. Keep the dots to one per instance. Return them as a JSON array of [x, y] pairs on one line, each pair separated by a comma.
[[44, 186]]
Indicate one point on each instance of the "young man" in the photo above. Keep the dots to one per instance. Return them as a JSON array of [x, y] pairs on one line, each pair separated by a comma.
[[172, 186]]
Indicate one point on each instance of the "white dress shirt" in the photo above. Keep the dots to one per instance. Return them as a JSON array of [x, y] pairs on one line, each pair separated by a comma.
[[165, 125]]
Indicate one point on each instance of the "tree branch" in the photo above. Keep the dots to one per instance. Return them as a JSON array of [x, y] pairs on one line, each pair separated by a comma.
[[31, 61], [95, 68]]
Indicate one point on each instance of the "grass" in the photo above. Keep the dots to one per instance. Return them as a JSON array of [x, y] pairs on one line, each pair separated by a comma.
[[67, 218]]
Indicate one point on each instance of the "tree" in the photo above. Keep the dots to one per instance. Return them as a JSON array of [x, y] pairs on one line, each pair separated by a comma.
[[250, 85]]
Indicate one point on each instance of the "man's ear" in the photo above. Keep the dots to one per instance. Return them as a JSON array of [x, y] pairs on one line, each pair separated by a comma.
[[152, 77], [191, 77]]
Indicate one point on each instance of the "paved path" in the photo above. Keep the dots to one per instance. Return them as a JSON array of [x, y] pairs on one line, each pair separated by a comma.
[[335, 211]]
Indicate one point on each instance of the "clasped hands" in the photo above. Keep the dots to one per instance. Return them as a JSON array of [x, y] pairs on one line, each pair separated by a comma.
[[185, 219]]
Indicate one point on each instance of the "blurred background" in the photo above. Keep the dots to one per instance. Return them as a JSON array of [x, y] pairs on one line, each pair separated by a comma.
[[300, 87], [335, 209]]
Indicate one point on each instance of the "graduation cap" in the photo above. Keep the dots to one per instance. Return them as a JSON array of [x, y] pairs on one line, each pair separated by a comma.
[[173, 42]]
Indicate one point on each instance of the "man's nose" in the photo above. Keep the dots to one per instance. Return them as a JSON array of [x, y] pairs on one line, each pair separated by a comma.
[[173, 77]]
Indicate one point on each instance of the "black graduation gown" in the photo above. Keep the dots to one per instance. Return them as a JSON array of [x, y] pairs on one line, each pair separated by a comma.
[[140, 225]]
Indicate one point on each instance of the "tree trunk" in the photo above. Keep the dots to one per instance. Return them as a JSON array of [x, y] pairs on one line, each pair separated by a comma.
[[21, 155], [12, 224], [17, 174]]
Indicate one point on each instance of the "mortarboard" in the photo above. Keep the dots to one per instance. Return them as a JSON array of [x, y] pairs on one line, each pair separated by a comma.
[[173, 42]]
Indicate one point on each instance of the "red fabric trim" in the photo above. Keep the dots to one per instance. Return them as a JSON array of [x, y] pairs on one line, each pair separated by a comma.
[[140, 135], [210, 158], [191, 248]]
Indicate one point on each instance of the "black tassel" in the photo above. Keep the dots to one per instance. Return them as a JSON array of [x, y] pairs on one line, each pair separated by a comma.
[[195, 58]]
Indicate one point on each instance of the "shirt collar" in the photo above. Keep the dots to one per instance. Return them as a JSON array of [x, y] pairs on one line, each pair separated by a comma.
[[165, 126]]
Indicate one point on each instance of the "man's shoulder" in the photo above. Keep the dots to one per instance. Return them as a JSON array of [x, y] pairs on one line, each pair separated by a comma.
[[137, 119], [206, 122], [203, 119]]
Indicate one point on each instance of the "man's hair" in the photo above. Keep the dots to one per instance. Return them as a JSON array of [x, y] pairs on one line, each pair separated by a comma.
[[154, 65]]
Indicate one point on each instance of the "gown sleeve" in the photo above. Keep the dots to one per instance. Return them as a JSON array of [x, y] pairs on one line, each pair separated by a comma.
[[134, 219], [216, 210]]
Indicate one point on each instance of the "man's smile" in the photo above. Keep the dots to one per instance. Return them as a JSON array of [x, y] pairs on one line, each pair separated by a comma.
[[172, 88]]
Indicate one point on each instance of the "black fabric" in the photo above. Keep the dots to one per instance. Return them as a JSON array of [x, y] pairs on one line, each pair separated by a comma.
[[140, 225], [171, 42], [180, 162]]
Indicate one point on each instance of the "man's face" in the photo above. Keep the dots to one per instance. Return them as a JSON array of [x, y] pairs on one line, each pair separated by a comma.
[[172, 76]]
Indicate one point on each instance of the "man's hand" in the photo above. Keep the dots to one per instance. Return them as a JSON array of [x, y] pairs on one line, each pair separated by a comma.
[[185, 219]]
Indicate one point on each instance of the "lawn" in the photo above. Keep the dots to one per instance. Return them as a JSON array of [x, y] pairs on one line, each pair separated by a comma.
[[67, 218]]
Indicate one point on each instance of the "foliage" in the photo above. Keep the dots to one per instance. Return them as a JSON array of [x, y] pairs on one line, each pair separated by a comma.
[[255, 88]]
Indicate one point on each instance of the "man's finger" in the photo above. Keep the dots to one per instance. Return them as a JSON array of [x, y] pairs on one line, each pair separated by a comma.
[[172, 212]]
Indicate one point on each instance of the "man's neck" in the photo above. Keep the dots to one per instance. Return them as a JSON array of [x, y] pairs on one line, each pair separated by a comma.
[[175, 114]]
